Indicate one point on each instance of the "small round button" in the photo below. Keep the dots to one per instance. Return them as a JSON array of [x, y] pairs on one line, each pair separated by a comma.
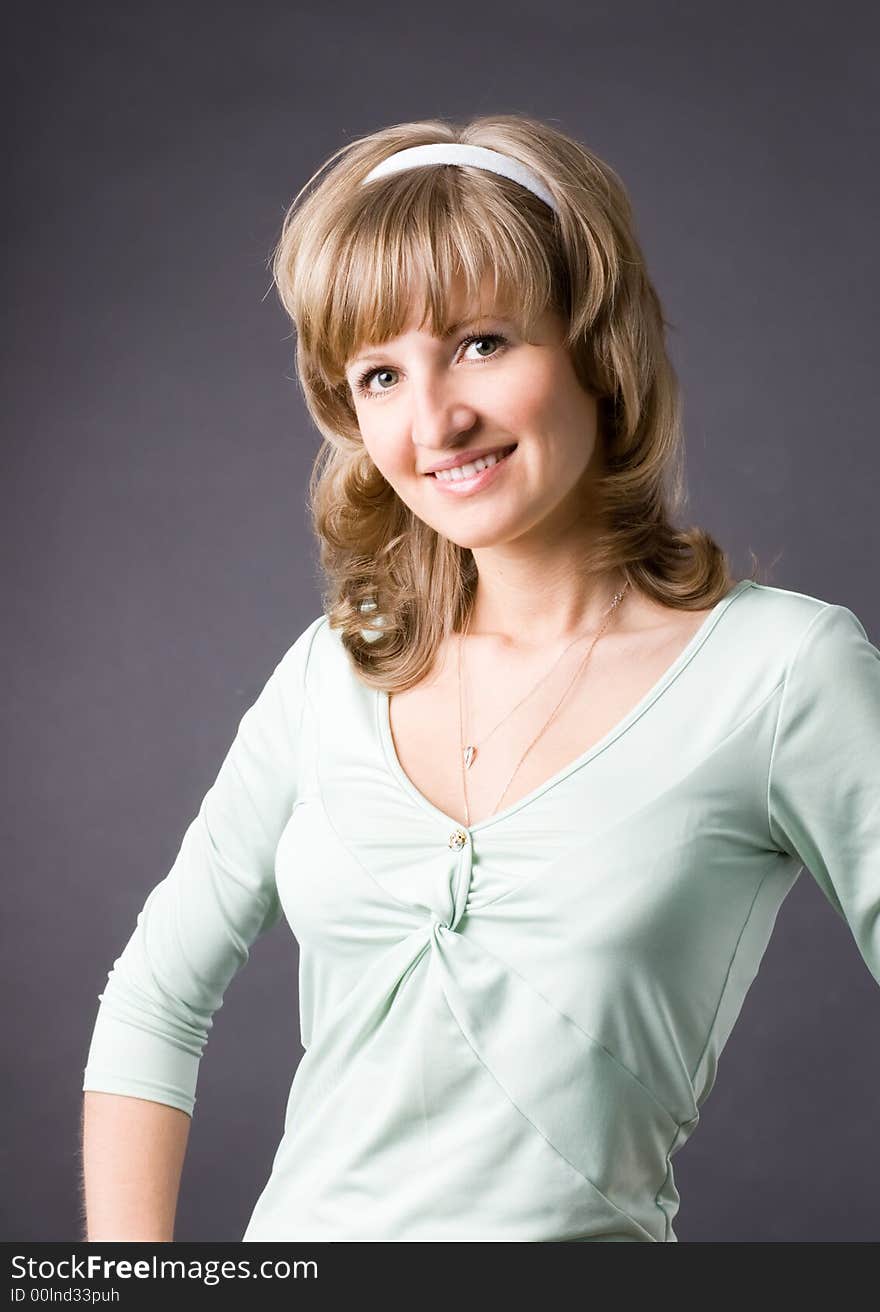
[[457, 839]]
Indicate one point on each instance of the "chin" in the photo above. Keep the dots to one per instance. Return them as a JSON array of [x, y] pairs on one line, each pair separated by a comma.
[[493, 537]]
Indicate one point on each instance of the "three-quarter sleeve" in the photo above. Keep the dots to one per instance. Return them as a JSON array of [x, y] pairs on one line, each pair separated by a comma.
[[198, 923], [824, 778]]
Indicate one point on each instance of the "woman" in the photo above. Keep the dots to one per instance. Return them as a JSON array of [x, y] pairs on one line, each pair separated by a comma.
[[531, 789]]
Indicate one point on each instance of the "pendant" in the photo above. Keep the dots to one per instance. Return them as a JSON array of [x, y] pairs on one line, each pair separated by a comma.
[[469, 754]]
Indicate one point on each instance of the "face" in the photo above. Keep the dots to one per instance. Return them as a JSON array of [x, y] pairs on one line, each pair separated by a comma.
[[423, 401]]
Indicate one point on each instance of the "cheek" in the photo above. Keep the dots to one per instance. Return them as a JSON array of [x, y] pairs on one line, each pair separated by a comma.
[[538, 400], [393, 460], [376, 445], [572, 415]]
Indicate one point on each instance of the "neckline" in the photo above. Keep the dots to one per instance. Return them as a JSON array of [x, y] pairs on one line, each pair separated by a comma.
[[383, 717]]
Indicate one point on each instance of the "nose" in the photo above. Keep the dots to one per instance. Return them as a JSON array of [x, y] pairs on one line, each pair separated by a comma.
[[439, 415]]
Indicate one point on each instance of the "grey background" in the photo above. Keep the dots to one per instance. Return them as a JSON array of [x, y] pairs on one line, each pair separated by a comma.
[[157, 558]]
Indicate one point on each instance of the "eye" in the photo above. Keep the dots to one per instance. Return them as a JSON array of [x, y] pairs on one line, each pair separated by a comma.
[[498, 340]]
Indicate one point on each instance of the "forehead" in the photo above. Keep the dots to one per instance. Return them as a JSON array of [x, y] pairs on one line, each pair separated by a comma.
[[373, 350], [458, 311]]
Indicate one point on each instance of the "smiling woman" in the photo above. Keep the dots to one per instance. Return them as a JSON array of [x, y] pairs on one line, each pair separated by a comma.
[[521, 949], [448, 311], [515, 420]]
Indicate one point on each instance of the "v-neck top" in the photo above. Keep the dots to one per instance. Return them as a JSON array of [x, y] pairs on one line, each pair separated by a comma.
[[509, 1029]]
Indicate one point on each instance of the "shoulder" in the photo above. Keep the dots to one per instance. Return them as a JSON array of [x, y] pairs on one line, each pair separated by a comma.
[[320, 670], [795, 623], [292, 671], [825, 664]]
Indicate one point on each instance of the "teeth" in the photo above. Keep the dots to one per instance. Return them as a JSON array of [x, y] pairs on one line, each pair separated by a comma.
[[467, 471]]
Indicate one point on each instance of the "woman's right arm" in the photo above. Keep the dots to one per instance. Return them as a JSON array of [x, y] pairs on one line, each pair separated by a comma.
[[132, 1159], [193, 934]]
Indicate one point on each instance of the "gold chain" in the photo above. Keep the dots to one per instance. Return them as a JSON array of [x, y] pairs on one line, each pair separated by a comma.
[[468, 751]]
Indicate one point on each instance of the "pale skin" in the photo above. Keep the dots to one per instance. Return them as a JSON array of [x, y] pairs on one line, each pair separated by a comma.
[[133, 1152], [529, 531]]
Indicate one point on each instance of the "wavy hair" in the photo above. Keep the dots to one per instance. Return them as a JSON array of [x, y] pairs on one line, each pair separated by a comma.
[[348, 264]]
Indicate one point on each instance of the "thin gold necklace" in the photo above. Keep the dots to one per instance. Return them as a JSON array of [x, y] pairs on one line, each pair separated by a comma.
[[469, 750]]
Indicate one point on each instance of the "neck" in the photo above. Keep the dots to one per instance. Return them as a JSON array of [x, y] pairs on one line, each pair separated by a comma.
[[525, 611]]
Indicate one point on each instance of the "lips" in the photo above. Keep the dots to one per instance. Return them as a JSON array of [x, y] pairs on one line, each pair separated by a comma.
[[468, 458]]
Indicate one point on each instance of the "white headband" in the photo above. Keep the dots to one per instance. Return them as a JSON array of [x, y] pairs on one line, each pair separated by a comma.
[[452, 152]]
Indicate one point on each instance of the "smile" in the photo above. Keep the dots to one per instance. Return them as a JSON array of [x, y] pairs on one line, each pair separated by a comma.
[[473, 477]]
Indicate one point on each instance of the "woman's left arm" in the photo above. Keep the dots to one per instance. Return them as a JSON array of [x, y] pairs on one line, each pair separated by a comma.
[[823, 790]]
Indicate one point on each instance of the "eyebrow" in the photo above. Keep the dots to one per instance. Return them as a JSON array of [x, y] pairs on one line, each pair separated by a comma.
[[449, 331]]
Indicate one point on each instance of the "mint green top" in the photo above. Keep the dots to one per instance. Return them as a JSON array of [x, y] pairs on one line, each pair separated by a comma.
[[509, 1030]]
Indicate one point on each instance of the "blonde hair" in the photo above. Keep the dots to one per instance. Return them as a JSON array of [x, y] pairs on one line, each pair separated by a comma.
[[346, 265]]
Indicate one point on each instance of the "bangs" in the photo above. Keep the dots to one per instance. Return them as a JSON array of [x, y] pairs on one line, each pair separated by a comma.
[[416, 246]]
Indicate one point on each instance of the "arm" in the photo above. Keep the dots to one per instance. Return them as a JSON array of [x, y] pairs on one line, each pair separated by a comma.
[[132, 1159], [192, 935], [824, 782]]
